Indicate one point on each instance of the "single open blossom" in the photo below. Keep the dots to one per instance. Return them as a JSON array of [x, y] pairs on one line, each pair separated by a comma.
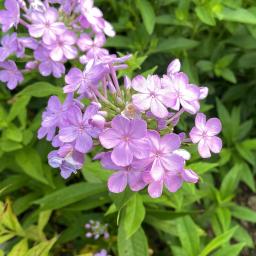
[[127, 138], [204, 133], [82, 81], [92, 47], [10, 17], [151, 95], [131, 175], [172, 180], [161, 154], [81, 129], [182, 93], [9, 45], [67, 159], [63, 47], [55, 116], [10, 74], [47, 66], [45, 25], [93, 17]]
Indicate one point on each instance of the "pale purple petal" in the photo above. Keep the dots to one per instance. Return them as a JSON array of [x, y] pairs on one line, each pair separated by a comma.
[[189, 176], [109, 138], [155, 189], [213, 126], [173, 181], [117, 182], [215, 144], [203, 149], [122, 155], [84, 143]]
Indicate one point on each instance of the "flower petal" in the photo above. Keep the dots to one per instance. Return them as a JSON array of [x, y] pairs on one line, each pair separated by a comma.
[[117, 182], [122, 155], [213, 126]]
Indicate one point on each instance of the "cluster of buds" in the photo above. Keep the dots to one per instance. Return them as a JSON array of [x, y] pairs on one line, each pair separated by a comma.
[[133, 125], [95, 230], [56, 31]]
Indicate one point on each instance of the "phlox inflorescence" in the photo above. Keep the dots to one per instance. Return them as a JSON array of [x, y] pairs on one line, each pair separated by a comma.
[[132, 125]]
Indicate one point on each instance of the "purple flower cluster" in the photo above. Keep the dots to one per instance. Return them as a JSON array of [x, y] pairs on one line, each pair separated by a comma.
[[134, 124], [95, 230], [57, 31]]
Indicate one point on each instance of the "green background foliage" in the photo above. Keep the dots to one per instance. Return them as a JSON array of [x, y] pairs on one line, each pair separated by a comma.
[[41, 214]]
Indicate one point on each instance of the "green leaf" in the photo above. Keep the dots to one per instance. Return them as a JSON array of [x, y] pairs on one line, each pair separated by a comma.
[[44, 217], [202, 167], [69, 195], [21, 248], [176, 43], [134, 215], [13, 133], [30, 162], [247, 177], [230, 250], [136, 245], [42, 249], [231, 180], [40, 89], [242, 235], [217, 242], [147, 13], [204, 13], [237, 15], [119, 42], [17, 107], [243, 213], [188, 234], [246, 154]]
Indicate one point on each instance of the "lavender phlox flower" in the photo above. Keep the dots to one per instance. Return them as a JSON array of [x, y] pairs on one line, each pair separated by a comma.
[[23, 43], [95, 230], [81, 81], [63, 47], [172, 180], [131, 175], [151, 95], [9, 45], [81, 129], [55, 116], [45, 25], [67, 159], [10, 74], [127, 138], [181, 93], [204, 133], [47, 66], [10, 17], [92, 47]]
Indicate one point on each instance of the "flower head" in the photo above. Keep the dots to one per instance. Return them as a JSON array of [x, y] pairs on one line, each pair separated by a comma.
[[127, 138], [10, 74], [204, 133], [131, 175], [45, 25], [151, 95], [81, 129], [10, 17]]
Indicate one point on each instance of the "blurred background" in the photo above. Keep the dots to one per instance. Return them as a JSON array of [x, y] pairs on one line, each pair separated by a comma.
[[41, 214]]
